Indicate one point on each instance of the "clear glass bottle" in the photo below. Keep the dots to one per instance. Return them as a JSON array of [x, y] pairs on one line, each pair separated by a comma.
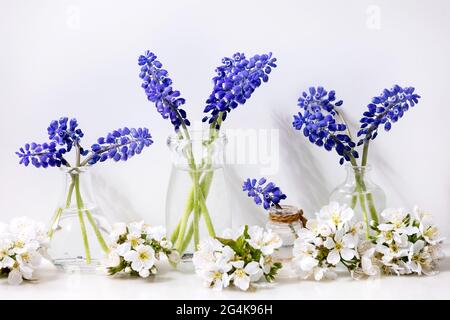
[[359, 192], [197, 199], [78, 229], [286, 221]]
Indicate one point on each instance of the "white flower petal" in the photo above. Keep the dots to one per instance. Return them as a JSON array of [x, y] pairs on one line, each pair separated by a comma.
[[15, 277], [8, 262], [242, 283], [318, 273], [347, 254], [347, 214], [123, 248], [130, 255], [144, 273], [307, 263], [238, 264], [349, 240], [113, 259], [119, 229], [333, 257], [329, 243], [137, 265], [158, 233]]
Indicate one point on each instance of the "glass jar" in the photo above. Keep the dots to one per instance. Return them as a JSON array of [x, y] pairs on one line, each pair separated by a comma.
[[286, 221], [78, 229], [197, 203], [360, 193]]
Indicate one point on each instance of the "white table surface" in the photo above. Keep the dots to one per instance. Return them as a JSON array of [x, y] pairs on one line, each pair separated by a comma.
[[177, 284]]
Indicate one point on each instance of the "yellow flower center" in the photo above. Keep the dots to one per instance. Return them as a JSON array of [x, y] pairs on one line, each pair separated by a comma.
[[335, 218], [393, 247], [25, 256], [144, 255], [388, 235], [338, 245], [430, 232], [19, 244], [217, 275], [240, 273], [134, 241]]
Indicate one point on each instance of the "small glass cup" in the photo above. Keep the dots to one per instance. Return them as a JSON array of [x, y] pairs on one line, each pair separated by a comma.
[[286, 221]]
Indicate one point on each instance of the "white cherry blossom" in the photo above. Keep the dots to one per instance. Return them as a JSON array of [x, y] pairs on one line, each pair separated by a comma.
[[157, 233], [267, 241], [243, 275], [335, 215], [342, 246], [142, 258]]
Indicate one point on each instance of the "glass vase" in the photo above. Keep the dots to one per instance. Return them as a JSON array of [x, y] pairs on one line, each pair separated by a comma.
[[360, 193], [78, 229], [197, 203]]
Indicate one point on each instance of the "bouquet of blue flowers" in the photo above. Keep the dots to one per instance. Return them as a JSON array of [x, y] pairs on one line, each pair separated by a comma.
[[235, 82], [322, 122], [65, 138]]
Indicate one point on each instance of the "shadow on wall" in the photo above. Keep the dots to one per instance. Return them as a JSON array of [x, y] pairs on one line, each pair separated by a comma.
[[243, 209], [121, 209], [303, 168]]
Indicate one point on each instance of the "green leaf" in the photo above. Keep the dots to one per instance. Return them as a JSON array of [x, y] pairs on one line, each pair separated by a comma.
[[227, 242], [245, 233], [406, 219]]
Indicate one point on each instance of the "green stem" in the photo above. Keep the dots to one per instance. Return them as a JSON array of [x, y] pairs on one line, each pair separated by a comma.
[[196, 211], [354, 199], [363, 207], [179, 233], [346, 124], [80, 217], [365, 153], [60, 210], [196, 201], [188, 238], [188, 209], [208, 222], [360, 191], [91, 220], [206, 216], [97, 232], [372, 208], [54, 220], [184, 220]]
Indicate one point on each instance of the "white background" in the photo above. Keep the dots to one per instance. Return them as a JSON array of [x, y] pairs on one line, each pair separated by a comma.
[[79, 58]]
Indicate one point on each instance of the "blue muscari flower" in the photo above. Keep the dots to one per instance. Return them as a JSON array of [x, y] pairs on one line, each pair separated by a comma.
[[269, 194], [158, 88], [385, 109], [42, 155], [120, 144], [65, 133], [317, 120], [236, 80]]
